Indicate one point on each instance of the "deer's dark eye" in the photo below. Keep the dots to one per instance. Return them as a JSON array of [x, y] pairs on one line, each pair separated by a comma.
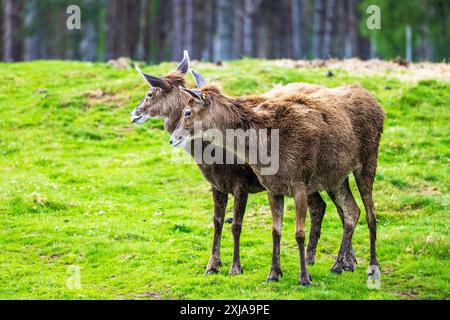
[[187, 114], [149, 95]]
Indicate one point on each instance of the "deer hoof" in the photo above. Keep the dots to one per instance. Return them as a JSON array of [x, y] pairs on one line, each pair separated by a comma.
[[337, 268], [236, 270], [349, 267], [275, 274], [305, 280], [213, 267], [211, 271]]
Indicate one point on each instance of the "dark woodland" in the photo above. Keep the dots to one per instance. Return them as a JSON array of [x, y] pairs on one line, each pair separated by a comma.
[[215, 30]]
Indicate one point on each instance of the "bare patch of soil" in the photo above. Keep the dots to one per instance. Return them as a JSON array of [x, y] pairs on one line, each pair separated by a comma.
[[408, 295], [100, 96], [121, 63], [149, 295], [397, 68]]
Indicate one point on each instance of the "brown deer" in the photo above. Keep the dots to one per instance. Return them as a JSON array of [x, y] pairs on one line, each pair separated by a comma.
[[167, 100], [323, 136]]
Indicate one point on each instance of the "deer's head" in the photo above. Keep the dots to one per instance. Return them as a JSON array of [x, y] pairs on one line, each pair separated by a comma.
[[197, 114], [164, 95]]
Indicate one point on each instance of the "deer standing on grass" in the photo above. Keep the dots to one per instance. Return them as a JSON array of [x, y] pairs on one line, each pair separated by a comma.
[[323, 136], [167, 100]]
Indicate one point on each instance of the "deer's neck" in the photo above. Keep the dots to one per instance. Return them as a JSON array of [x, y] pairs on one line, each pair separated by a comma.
[[239, 113], [239, 123]]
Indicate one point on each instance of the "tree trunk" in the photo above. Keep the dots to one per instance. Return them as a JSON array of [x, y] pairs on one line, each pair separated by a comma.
[[111, 30], [19, 32], [297, 39], [238, 25], [277, 10], [247, 28], [329, 13], [88, 44], [12, 36], [373, 45], [317, 28], [250, 8], [286, 30], [163, 25], [270, 27], [177, 31], [147, 32], [133, 23], [339, 49], [189, 27], [1, 29], [351, 41], [122, 28], [444, 28], [8, 31], [35, 38], [260, 32], [223, 38], [307, 17], [408, 53], [426, 47], [207, 50]]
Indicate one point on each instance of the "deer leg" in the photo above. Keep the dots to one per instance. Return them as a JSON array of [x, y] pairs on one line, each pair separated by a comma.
[[364, 180], [350, 215], [317, 210], [350, 255], [220, 205], [301, 204], [277, 207], [240, 202]]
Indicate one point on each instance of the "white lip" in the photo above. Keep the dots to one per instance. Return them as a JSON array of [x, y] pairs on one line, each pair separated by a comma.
[[180, 143], [138, 120], [176, 144]]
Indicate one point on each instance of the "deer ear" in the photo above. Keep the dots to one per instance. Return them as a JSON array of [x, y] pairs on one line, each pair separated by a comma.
[[192, 93], [153, 81], [197, 95], [199, 79], [184, 64]]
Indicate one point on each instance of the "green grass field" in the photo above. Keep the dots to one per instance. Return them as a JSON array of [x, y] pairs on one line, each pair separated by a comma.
[[82, 187]]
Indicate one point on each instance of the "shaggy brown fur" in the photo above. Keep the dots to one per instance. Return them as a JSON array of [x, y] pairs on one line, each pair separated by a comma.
[[238, 180], [324, 135]]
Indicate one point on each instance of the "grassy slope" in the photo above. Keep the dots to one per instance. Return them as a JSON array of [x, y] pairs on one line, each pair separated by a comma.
[[80, 186]]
